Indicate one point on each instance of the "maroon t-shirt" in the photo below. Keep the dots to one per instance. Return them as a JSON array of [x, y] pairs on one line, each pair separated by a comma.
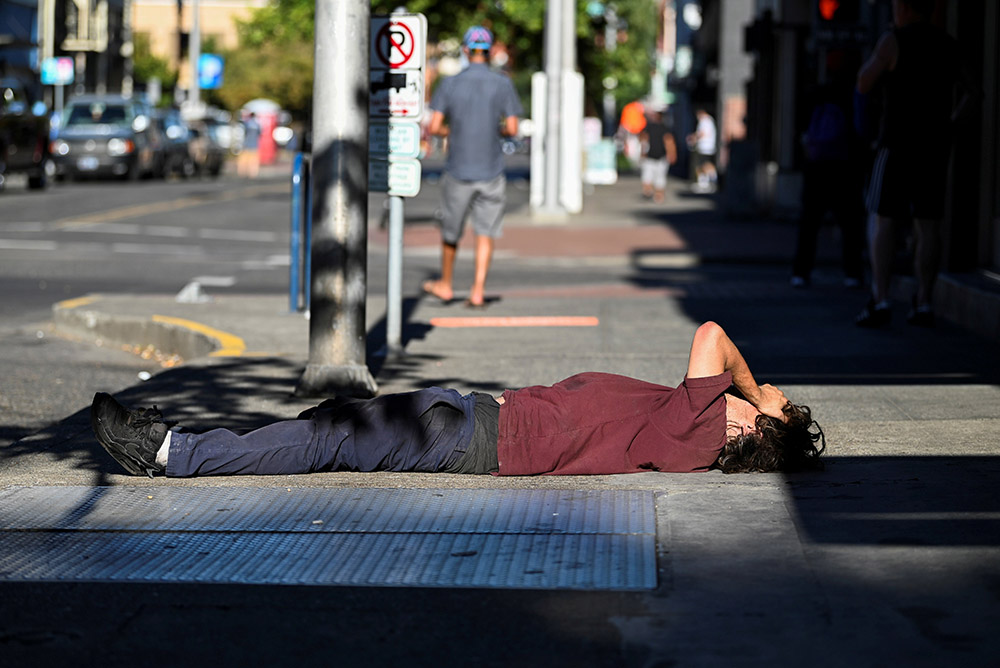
[[595, 423]]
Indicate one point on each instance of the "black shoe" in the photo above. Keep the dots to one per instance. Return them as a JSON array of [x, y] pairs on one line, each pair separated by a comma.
[[132, 437], [872, 317]]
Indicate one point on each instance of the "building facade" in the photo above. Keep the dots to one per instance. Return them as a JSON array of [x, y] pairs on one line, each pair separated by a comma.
[[795, 46]]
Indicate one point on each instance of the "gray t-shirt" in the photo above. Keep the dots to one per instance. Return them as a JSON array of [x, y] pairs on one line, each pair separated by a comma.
[[475, 102]]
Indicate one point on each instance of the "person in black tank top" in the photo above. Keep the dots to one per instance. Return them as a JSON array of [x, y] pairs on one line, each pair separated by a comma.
[[918, 68]]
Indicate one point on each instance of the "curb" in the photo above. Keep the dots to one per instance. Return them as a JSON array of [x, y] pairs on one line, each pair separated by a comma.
[[170, 337]]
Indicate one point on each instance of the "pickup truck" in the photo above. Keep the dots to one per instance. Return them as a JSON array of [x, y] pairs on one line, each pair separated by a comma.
[[24, 136]]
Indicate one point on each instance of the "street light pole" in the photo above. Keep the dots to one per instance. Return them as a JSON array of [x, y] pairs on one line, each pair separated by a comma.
[[194, 53], [337, 333], [553, 109]]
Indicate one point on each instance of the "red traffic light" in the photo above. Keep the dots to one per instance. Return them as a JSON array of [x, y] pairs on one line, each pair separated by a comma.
[[828, 8]]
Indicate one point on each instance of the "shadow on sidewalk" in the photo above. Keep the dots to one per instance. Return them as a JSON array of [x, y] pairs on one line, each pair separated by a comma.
[[902, 501]]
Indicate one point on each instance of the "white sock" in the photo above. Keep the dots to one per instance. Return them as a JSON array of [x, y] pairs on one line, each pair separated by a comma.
[[164, 451]]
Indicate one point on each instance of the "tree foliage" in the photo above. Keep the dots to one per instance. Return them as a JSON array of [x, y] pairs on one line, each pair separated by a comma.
[[274, 58], [146, 67]]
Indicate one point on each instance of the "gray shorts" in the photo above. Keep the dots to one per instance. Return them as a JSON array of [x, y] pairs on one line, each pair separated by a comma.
[[483, 201], [653, 172]]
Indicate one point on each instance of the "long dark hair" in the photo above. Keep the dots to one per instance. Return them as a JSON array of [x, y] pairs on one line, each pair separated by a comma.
[[793, 445]]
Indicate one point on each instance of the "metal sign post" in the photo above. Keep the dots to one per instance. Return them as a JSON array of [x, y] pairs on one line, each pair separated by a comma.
[[396, 102], [338, 294]]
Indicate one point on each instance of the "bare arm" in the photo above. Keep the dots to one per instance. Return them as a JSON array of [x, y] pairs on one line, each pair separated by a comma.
[[509, 127], [437, 126], [713, 352], [671, 146], [882, 60]]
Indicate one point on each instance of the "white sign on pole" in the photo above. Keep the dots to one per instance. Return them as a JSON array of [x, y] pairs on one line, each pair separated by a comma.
[[389, 139], [396, 94], [396, 102], [398, 42], [397, 178]]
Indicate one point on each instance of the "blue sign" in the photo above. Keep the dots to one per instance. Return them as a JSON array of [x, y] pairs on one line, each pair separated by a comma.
[[57, 71], [210, 68]]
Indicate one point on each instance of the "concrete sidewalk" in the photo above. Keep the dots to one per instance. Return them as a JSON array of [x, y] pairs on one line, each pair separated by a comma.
[[890, 556]]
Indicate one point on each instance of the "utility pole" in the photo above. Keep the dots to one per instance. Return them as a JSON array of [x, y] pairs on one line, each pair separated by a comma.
[[194, 53], [553, 109], [337, 333]]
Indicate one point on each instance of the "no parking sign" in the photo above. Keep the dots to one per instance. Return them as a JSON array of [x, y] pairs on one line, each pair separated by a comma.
[[398, 42], [396, 93]]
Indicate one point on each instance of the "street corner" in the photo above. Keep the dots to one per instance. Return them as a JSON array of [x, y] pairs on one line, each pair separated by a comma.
[[115, 321]]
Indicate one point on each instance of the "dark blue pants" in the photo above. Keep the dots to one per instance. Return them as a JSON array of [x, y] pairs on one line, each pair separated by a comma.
[[425, 430]]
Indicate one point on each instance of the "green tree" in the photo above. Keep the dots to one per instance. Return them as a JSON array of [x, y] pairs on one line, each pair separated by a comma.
[[275, 55], [274, 58], [147, 67], [520, 24]]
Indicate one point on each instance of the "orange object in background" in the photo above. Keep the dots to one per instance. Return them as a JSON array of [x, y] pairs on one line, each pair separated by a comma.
[[634, 117], [266, 149]]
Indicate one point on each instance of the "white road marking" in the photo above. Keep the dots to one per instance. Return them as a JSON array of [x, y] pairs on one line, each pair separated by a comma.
[[272, 262], [27, 226], [157, 249], [27, 244], [167, 231], [111, 228], [238, 235], [215, 281]]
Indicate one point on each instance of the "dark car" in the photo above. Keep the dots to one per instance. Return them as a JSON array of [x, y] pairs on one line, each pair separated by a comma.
[[24, 135], [176, 143], [107, 135], [207, 149]]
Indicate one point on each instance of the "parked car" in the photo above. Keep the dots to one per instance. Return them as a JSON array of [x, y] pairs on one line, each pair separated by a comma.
[[176, 137], [207, 149], [107, 135], [24, 135]]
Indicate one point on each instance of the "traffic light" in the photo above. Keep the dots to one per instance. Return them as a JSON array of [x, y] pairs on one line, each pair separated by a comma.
[[838, 11]]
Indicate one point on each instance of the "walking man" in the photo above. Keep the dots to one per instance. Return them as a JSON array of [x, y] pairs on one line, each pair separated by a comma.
[[474, 110], [659, 151], [918, 66], [703, 142]]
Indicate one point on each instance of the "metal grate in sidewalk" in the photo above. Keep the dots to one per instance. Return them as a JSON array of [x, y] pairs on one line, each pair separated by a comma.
[[546, 539]]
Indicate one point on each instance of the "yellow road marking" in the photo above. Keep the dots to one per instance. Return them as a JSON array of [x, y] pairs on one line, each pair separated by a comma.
[[139, 210], [230, 345], [79, 301]]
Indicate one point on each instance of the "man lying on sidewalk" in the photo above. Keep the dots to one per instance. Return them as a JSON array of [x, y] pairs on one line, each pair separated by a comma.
[[591, 423]]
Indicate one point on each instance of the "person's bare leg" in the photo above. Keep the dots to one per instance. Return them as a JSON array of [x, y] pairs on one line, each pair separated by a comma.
[[882, 245], [926, 258], [484, 254], [441, 288]]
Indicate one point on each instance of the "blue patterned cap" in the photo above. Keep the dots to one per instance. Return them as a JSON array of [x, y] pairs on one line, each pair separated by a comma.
[[478, 37]]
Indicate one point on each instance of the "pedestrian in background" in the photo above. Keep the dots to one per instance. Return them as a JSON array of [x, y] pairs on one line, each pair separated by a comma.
[[248, 162], [832, 182], [917, 65], [703, 143], [474, 110], [659, 151]]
